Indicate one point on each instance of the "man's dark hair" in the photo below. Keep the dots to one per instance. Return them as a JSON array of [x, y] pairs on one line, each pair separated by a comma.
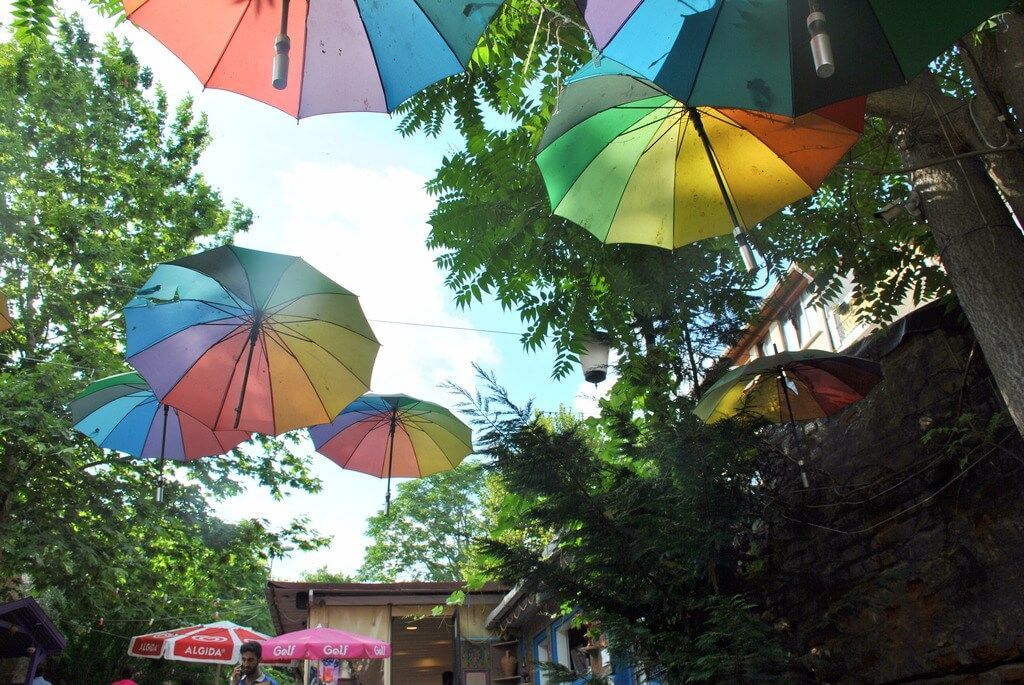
[[126, 673], [253, 648]]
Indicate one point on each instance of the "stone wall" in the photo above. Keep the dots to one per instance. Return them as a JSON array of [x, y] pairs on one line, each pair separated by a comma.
[[904, 560]]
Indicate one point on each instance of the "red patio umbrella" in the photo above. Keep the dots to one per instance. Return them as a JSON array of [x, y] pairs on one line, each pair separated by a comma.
[[208, 643]]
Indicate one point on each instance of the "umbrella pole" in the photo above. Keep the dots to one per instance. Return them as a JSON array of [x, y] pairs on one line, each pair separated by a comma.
[[282, 44], [163, 445], [216, 678], [792, 427], [391, 461], [254, 334], [737, 230]]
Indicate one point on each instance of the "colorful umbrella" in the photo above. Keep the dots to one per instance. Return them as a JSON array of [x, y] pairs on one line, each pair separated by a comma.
[[633, 165], [5, 317], [245, 339], [348, 55], [208, 643], [121, 413], [767, 54], [394, 435], [790, 387], [324, 643]]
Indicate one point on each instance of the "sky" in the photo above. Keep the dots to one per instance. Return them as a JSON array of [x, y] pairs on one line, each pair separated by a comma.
[[346, 193]]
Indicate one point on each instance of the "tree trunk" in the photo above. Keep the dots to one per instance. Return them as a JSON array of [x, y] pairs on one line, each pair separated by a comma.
[[983, 252]]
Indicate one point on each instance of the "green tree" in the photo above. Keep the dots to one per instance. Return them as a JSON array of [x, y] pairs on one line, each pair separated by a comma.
[[497, 237], [650, 520], [325, 575], [952, 136], [429, 532], [97, 185]]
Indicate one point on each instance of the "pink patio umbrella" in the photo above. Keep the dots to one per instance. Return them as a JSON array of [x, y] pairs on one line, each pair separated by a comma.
[[209, 643], [324, 643]]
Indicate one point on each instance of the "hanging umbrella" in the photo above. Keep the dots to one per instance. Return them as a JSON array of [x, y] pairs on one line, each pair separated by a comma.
[[208, 643], [633, 165], [394, 435], [783, 56], [5, 317], [250, 340], [344, 55], [790, 387], [121, 413], [324, 643]]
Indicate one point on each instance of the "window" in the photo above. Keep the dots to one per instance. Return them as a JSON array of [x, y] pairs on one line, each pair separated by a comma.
[[570, 642], [541, 654]]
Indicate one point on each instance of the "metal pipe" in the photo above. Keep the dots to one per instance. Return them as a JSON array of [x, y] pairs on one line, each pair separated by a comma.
[[737, 232], [254, 334]]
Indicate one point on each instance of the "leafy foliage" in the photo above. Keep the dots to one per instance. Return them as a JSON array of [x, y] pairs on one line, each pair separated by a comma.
[[98, 185], [428, 533], [498, 238], [647, 528]]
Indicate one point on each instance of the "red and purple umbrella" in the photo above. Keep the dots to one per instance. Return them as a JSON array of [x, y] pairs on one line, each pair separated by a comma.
[[790, 387], [394, 435], [250, 340], [324, 643]]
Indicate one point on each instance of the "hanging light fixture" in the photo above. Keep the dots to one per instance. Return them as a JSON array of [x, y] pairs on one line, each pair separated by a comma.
[[594, 358]]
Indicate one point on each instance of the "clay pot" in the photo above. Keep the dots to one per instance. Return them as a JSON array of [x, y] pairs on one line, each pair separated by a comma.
[[508, 664]]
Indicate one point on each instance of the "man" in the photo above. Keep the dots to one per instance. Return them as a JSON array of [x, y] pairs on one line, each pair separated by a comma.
[[248, 672]]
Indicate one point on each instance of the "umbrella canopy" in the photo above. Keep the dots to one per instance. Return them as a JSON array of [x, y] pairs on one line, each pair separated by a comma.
[[631, 164], [5, 317], [324, 643], [394, 435], [756, 54], [121, 413], [208, 643], [341, 56], [790, 386], [250, 340]]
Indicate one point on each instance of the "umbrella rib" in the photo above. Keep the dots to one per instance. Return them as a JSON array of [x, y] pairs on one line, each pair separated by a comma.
[[271, 311], [373, 53], [599, 153], [777, 156], [316, 391], [438, 31], [795, 375], [661, 137], [234, 367], [440, 449], [277, 284], [330, 354], [227, 43], [359, 444], [121, 420]]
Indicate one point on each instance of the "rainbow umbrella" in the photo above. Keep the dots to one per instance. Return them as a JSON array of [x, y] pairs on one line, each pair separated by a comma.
[[789, 57], [394, 435], [121, 413], [243, 339], [790, 387], [5, 317], [631, 164], [341, 56]]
